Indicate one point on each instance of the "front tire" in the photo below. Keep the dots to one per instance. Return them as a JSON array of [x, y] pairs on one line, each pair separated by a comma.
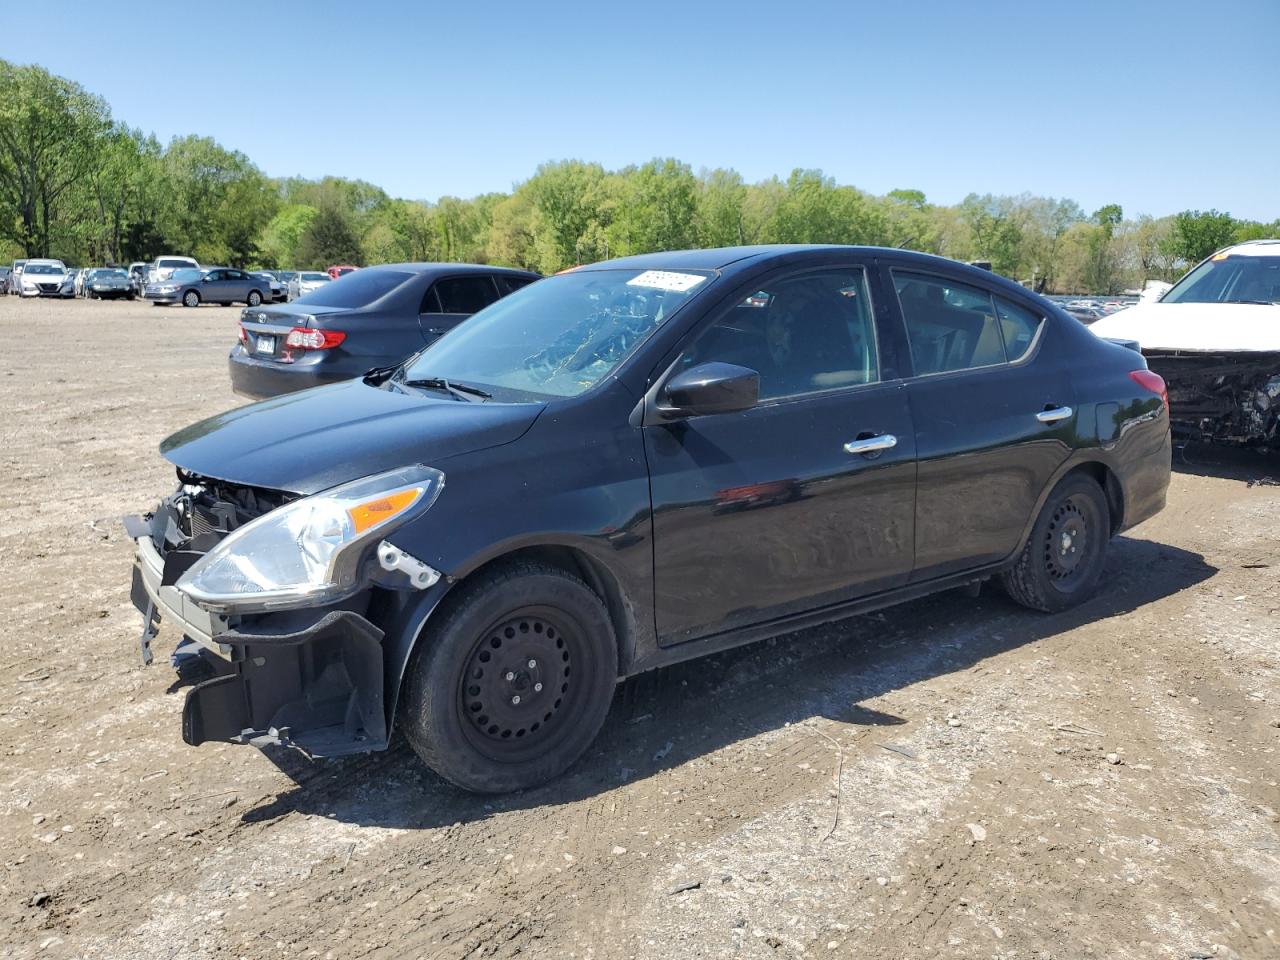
[[191, 299], [255, 298], [1063, 559], [514, 681]]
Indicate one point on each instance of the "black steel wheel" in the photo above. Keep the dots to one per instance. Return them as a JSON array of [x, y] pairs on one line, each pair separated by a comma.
[[1063, 558], [513, 679]]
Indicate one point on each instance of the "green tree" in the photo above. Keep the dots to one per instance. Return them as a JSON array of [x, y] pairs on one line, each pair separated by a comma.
[[49, 129], [1197, 234], [283, 234], [329, 239]]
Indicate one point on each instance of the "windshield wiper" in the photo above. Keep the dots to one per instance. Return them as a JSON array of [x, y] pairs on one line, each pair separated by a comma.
[[1265, 303], [460, 390]]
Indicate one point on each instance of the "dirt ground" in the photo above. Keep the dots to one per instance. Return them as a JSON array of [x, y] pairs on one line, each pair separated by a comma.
[[956, 778]]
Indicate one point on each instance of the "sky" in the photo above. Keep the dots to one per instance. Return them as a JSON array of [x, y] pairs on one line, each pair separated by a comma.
[[1157, 106]]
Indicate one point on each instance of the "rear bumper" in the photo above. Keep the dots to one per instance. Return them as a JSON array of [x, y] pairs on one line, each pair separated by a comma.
[[260, 379], [312, 679]]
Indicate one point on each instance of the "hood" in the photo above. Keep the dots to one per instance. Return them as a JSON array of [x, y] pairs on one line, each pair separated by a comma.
[[309, 441], [1204, 327]]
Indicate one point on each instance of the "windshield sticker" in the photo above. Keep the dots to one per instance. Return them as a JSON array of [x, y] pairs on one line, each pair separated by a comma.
[[663, 280]]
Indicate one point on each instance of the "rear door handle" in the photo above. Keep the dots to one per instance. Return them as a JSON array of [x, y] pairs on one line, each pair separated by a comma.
[[1053, 414], [885, 441]]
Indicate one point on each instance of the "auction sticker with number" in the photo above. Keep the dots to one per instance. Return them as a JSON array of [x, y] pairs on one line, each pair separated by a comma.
[[665, 280]]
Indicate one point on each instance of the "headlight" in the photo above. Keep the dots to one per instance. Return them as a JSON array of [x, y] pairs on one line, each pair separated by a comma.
[[308, 552]]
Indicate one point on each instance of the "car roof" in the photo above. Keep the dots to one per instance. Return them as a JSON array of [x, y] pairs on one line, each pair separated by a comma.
[[1254, 248], [719, 258], [454, 268]]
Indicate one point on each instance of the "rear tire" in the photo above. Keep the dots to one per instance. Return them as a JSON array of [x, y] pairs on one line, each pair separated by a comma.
[[191, 299], [1063, 559], [514, 681]]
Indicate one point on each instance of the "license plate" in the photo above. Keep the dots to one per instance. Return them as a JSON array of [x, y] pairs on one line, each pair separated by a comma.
[[266, 344]]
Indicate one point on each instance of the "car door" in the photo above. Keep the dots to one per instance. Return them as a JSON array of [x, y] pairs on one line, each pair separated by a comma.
[[992, 408], [237, 286], [786, 506], [450, 300]]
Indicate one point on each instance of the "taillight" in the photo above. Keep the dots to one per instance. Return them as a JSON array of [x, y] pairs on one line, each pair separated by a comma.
[[1153, 382], [244, 337], [304, 339]]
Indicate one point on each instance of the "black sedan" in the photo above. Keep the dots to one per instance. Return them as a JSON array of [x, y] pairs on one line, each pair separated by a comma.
[[108, 283], [374, 317], [625, 466], [222, 285]]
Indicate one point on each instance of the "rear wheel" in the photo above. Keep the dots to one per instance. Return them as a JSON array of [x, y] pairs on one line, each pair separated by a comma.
[[1062, 561], [255, 298], [514, 682], [191, 299]]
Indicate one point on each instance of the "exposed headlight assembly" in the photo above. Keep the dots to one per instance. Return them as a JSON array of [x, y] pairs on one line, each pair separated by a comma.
[[308, 552]]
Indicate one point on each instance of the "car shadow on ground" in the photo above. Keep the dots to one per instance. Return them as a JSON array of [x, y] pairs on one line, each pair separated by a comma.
[[1249, 465], [670, 716]]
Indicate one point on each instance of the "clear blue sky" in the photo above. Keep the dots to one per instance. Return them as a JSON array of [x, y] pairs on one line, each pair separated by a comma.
[[1158, 106]]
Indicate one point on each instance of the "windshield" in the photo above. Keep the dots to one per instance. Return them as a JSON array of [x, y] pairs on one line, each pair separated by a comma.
[[1228, 278], [560, 336], [164, 264], [40, 269], [356, 289], [187, 276], [314, 277], [107, 274]]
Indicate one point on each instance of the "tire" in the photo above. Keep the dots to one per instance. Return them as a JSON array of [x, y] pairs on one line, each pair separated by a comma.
[[255, 298], [477, 712], [1063, 559], [191, 299]]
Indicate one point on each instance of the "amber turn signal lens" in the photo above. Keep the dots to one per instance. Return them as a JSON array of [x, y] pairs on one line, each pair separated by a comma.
[[373, 512]]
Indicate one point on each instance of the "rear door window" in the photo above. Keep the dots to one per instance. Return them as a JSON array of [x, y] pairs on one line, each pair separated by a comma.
[[1019, 327], [950, 326], [509, 284], [465, 294]]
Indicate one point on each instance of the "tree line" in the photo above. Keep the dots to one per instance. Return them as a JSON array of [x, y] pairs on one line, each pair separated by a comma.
[[81, 186]]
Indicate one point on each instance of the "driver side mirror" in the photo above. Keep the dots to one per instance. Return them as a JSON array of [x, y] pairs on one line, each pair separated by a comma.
[[709, 388]]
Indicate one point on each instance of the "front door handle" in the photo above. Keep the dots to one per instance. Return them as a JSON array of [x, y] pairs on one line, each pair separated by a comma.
[[1053, 414], [885, 441]]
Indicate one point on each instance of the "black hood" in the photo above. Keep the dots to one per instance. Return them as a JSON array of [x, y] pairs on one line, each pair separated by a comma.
[[312, 440]]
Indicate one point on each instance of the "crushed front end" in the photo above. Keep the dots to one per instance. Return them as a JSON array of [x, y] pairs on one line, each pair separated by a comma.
[[305, 671], [1229, 397]]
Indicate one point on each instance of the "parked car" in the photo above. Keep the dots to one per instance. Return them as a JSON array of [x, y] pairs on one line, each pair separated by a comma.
[[15, 277], [162, 268], [340, 270], [108, 283], [222, 285], [375, 317], [47, 278], [306, 281], [1215, 339], [4, 280], [277, 290], [479, 543]]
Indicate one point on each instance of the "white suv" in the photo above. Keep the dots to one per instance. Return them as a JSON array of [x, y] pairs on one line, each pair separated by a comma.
[[162, 267]]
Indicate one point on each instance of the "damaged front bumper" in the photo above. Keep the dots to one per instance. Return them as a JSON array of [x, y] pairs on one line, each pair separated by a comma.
[[314, 678], [1222, 397]]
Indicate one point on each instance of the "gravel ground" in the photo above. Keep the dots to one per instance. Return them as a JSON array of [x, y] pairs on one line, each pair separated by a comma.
[[956, 778]]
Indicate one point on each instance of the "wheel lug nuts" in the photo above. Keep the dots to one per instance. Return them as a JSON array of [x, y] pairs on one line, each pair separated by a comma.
[[537, 688], [515, 699], [510, 676], [532, 664]]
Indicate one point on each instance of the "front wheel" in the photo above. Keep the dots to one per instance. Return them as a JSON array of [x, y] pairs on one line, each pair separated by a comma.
[[191, 299], [513, 683], [255, 298], [1062, 561]]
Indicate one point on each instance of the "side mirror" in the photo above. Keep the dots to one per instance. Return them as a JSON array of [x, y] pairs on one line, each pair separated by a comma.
[[709, 388]]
